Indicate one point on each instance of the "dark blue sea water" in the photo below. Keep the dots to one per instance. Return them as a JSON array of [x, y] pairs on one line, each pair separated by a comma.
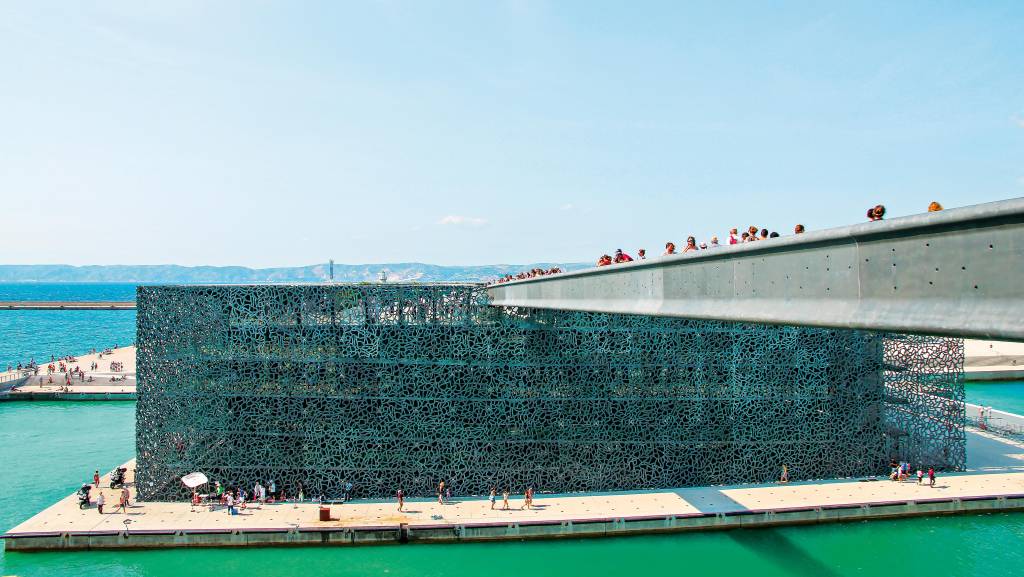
[[26, 335], [31, 291]]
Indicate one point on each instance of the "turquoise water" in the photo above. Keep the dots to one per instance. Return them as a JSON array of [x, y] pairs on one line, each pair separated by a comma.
[[80, 291], [1008, 396], [81, 437], [27, 335]]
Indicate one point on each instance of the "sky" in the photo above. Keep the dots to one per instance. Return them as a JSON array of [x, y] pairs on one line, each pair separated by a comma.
[[287, 133]]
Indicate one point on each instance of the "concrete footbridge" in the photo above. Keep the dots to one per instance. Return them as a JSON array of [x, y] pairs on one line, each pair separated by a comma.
[[957, 272]]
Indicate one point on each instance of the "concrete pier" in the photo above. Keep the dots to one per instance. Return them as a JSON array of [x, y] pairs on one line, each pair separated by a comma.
[[101, 388], [996, 483], [993, 361]]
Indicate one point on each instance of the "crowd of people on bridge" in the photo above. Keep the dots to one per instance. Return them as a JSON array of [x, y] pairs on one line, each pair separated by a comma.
[[752, 233], [529, 274]]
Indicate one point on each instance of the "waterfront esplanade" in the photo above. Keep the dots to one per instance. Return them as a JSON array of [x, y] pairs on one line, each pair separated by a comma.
[[403, 385]]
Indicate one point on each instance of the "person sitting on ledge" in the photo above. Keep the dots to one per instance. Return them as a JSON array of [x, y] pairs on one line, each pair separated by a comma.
[[605, 260], [670, 248], [621, 256], [798, 229]]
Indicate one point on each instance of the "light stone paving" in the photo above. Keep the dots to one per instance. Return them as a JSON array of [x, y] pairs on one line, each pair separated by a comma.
[[65, 516], [101, 378]]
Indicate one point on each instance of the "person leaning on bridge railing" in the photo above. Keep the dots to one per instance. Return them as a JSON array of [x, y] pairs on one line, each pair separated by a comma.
[[876, 212]]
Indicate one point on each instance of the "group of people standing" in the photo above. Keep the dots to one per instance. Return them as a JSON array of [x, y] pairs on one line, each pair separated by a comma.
[[900, 472], [124, 497], [444, 496]]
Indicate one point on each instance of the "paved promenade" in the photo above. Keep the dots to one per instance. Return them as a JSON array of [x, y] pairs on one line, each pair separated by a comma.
[[993, 360], [995, 482], [40, 387], [66, 516]]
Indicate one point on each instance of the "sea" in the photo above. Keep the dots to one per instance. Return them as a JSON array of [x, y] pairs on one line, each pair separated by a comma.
[[38, 335], [49, 448]]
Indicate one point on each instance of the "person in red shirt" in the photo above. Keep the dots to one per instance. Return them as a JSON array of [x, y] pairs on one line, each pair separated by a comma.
[[605, 260], [621, 256]]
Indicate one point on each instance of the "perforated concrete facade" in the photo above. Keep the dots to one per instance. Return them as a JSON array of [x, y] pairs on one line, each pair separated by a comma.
[[396, 385]]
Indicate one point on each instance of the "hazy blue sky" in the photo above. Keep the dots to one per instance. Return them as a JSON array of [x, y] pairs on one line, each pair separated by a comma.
[[287, 133]]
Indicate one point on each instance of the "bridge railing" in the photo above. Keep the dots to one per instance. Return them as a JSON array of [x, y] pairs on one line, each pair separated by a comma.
[[957, 272]]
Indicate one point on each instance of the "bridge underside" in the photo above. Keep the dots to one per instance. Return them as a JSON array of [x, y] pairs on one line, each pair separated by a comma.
[[958, 272], [393, 386]]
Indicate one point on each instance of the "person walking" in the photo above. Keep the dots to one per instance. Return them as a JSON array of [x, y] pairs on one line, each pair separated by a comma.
[[784, 477], [348, 491], [931, 476], [96, 479], [401, 498], [494, 492], [100, 501], [440, 492], [231, 504], [920, 477], [123, 502], [504, 500]]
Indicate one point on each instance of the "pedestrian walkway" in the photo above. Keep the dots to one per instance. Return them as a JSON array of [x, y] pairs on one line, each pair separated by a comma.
[[715, 507], [39, 387]]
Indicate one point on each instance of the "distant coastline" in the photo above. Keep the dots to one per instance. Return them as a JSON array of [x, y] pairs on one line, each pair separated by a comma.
[[406, 271]]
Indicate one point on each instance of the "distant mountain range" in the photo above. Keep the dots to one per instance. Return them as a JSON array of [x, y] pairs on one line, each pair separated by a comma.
[[400, 271]]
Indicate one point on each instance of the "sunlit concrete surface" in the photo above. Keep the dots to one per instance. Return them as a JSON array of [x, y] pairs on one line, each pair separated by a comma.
[[997, 476], [955, 272], [40, 387]]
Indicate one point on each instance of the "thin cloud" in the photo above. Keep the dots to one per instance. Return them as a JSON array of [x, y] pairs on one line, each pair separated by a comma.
[[567, 206], [459, 220]]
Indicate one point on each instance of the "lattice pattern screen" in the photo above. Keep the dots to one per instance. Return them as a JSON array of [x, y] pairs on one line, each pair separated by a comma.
[[391, 386]]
